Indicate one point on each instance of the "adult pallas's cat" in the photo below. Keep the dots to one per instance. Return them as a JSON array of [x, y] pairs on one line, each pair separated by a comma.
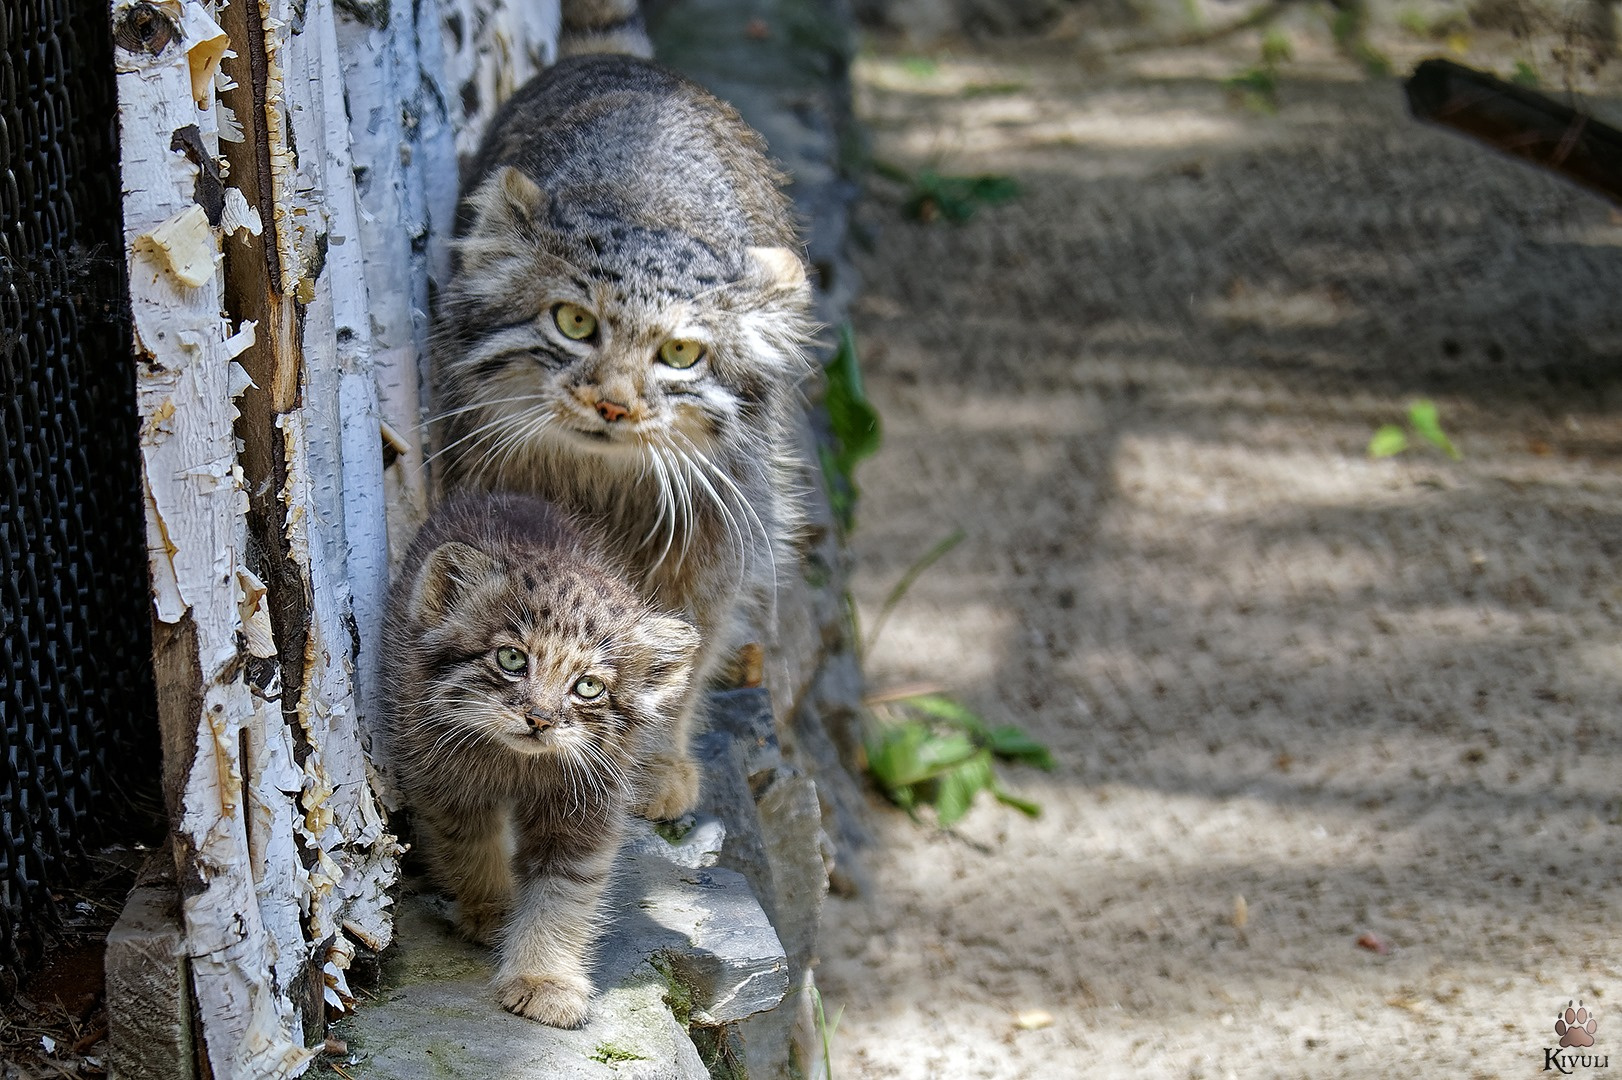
[[623, 336], [527, 681]]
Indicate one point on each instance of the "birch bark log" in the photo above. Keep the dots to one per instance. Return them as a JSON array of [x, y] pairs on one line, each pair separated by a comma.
[[290, 180]]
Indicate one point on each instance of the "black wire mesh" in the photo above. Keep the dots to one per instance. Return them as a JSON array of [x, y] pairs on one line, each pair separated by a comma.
[[75, 662]]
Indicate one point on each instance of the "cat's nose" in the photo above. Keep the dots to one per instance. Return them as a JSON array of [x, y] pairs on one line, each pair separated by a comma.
[[612, 410], [538, 719]]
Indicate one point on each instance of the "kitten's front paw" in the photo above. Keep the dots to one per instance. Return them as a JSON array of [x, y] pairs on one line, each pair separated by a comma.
[[480, 922], [556, 1000], [675, 785]]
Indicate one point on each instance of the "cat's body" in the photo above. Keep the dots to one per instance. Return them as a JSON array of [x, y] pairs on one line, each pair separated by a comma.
[[623, 337], [527, 681]]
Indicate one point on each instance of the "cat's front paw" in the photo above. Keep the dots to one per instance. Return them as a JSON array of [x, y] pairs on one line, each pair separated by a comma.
[[555, 1000], [674, 786], [480, 922]]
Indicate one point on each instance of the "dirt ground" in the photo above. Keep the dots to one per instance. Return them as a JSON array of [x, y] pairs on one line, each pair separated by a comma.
[[1379, 701]]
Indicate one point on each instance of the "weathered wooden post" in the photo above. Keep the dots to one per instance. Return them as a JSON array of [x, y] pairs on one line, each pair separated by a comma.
[[280, 246]]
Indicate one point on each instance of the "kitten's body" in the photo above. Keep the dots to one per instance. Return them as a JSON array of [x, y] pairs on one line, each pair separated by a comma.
[[520, 785], [613, 187]]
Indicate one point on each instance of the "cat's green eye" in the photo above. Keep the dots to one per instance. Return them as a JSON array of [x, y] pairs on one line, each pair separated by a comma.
[[589, 687], [680, 353], [575, 321], [511, 660]]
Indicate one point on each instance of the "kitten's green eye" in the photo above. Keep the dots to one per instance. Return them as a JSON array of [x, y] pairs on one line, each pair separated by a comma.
[[511, 660], [680, 353], [588, 687], [575, 321]]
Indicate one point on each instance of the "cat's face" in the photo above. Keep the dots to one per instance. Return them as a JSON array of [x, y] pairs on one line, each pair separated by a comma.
[[633, 345], [552, 658]]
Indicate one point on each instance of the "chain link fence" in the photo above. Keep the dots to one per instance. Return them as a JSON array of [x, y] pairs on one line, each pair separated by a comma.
[[81, 745]]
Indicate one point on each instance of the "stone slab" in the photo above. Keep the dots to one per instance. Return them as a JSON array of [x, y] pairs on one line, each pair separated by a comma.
[[697, 925]]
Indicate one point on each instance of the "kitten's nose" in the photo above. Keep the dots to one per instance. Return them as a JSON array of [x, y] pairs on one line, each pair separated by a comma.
[[538, 720], [612, 410]]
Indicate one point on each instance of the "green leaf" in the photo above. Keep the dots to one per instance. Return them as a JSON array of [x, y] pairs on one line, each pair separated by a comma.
[[920, 67], [955, 790], [1389, 441], [1427, 423], [938, 753], [1525, 74], [944, 708], [901, 755], [1013, 744], [894, 756], [1275, 48], [956, 198], [854, 423], [1024, 806]]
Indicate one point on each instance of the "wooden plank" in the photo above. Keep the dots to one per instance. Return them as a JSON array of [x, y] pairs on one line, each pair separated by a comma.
[[186, 385], [1520, 122]]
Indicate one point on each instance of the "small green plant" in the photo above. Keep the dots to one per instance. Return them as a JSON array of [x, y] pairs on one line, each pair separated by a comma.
[[929, 750], [996, 89], [1524, 75], [678, 998], [855, 426], [1276, 48], [933, 196], [919, 67], [1256, 88], [1425, 421], [608, 1054], [825, 1031], [1349, 26]]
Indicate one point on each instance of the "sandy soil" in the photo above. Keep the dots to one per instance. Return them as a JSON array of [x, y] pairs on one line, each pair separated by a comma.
[[1368, 697]]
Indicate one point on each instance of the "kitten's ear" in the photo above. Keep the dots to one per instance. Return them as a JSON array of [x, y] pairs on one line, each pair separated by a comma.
[[452, 570], [777, 268], [669, 645], [507, 201]]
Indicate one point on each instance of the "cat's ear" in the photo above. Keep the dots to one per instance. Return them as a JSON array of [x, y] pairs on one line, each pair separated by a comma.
[[507, 202], [451, 572], [777, 269], [669, 646]]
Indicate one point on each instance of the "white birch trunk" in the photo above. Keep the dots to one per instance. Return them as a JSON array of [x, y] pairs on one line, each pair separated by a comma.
[[248, 815]]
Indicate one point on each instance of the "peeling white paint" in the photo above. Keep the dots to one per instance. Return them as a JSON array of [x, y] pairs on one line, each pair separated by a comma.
[[253, 812]]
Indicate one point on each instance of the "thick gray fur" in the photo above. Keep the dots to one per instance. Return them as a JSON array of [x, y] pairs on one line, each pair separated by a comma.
[[617, 186], [521, 780]]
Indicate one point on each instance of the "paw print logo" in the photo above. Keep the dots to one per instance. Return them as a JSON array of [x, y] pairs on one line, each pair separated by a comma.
[[1576, 1026]]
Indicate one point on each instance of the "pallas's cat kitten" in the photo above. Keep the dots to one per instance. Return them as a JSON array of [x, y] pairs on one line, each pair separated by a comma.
[[525, 678], [623, 335]]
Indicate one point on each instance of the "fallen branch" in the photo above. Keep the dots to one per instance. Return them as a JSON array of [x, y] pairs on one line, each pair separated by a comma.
[[1518, 121]]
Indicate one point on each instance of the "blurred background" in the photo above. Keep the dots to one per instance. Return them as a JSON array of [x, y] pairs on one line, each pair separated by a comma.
[[1253, 448]]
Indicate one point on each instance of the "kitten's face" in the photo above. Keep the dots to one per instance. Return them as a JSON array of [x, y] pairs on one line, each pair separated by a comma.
[[543, 659], [635, 345]]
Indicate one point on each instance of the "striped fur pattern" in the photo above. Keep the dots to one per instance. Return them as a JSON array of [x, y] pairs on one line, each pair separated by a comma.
[[528, 680], [611, 186], [603, 26]]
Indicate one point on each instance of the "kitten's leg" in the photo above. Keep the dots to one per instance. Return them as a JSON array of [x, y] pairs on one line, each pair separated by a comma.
[[470, 854], [547, 947], [673, 777]]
